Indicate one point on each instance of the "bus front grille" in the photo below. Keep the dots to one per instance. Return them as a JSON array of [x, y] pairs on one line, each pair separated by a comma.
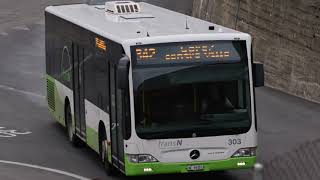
[[50, 95]]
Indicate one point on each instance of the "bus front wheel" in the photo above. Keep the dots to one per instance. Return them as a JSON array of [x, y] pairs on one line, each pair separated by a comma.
[[104, 155]]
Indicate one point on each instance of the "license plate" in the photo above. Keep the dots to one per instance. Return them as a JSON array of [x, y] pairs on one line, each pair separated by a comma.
[[195, 167]]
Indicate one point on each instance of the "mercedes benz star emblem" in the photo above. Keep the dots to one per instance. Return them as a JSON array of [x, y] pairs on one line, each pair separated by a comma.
[[194, 154], [194, 135]]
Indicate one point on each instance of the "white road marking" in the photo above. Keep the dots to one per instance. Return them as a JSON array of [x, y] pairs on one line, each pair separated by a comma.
[[8, 133], [21, 91], [39, 22], [45, 169], [23, 28], [4, 34]]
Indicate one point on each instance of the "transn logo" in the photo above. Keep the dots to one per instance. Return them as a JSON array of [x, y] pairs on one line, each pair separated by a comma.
[[170, 144]]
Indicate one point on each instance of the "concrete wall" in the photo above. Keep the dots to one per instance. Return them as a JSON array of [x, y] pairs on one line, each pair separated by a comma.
[[286, 38]]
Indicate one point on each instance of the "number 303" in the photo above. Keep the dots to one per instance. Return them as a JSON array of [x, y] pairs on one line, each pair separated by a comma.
[[234, 141]]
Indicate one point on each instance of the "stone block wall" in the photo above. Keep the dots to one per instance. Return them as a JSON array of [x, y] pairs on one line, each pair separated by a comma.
[[286, 37]]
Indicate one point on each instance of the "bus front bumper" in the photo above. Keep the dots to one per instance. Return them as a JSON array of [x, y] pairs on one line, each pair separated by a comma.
[[138, 169]]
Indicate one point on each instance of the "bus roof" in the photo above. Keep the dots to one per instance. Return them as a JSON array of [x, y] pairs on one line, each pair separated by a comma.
[[152, 21]]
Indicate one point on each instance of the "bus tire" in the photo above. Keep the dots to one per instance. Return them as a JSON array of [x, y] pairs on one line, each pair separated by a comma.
[[71, 136], [104, 154]]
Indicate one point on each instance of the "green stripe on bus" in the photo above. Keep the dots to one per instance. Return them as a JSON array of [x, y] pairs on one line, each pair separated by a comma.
[[93, 142], [109, 153], [135, 169], [58, 112], [93, 139]]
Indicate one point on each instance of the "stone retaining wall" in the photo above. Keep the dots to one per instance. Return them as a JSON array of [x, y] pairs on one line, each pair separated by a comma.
[[286, 38]]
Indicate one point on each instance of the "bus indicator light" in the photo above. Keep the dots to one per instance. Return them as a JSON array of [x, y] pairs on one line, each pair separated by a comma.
[[101, 44], [147, 170], [241, 163]]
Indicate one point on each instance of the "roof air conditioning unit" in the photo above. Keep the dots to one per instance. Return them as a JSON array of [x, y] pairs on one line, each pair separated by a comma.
[[122, 7]]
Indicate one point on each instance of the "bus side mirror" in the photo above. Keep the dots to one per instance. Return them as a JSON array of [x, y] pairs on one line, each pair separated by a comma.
[[123, 72], [258, 74]]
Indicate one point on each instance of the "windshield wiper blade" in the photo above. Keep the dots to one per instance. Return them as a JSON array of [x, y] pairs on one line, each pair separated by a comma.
[[158, 135], [238, 130], [168, 133]]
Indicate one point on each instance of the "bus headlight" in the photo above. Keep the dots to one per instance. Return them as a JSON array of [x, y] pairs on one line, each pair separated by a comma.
[[245, 152], [141, 158]]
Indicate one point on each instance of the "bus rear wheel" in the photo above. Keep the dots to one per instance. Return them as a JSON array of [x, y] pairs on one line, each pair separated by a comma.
[[104, 155], [71, 136]]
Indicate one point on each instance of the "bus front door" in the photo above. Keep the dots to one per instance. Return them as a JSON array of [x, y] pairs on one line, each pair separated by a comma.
[[78, 91], [116, 115]]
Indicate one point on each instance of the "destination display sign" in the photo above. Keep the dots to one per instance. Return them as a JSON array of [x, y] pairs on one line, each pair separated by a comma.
[[216, 51]]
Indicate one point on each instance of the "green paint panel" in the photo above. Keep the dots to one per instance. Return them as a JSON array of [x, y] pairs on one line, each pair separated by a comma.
[[58, 112], [137, 169], [93, 139], [109, 153]]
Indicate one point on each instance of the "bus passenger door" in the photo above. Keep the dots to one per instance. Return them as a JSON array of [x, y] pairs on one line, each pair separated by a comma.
[[120, 118], [78, 91], [117, 144]]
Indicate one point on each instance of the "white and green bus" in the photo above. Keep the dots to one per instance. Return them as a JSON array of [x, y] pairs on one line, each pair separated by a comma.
[[150, 90]]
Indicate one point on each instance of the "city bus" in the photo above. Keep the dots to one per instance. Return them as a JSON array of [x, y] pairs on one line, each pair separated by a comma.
[[150, 90]]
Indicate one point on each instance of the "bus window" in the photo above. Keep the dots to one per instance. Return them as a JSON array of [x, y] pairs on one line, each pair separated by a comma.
[[97, 80], [195, 100], [127, 117], [215, 99]]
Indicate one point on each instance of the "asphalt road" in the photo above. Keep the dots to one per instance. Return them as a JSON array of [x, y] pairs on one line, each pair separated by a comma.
[[285, 122]]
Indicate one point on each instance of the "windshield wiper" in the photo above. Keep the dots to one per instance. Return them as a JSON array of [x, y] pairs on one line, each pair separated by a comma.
[[159, 135], [207, 117], [238, 130]]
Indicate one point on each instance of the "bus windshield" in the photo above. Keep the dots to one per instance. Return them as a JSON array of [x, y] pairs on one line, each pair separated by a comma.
[[192, 101]]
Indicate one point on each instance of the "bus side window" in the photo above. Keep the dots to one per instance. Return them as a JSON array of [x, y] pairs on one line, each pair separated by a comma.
[[127, 116], [97, 79], [61, 60], [66, 65]]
